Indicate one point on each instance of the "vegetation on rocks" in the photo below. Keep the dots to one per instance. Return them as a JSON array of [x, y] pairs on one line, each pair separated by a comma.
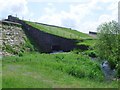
[[14, 40]]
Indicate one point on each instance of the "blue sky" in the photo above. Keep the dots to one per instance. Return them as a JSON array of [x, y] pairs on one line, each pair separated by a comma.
[[82, 15]]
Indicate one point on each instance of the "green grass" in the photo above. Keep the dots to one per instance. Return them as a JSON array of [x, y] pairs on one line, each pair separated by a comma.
[[0, 72], [90, 42], [62, 32], [52, 71]]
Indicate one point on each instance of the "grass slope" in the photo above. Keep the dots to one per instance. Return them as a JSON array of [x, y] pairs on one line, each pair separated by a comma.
[[63, 32], [53, 71], [90, 42]]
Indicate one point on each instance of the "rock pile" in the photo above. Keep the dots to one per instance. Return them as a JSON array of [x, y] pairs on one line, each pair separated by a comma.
[[12, 38]]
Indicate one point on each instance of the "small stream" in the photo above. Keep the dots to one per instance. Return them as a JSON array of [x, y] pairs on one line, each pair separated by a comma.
[[107, 71], [109, 74]]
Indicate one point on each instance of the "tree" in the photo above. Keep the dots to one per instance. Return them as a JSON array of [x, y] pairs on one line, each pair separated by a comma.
[[108, 44]]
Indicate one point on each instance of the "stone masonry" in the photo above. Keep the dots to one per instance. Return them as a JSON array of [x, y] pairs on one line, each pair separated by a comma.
[[12, 35]]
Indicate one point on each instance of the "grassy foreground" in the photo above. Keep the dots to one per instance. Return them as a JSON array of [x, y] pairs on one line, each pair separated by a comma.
[[0, 72], [52, 71]]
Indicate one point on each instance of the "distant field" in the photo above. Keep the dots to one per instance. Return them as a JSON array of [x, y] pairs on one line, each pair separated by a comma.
[[63, 32], [53, 71]]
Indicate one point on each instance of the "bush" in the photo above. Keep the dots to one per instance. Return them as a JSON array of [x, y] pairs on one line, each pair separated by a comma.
[[76, 51], [108, 43], [20, 54], [92, 54]]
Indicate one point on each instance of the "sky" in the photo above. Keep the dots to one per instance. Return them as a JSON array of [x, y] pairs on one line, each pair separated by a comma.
[[81, 15]]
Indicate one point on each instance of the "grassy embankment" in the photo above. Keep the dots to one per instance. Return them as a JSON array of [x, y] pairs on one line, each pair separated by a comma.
[[59, 31], [82, 38], [53, 70]]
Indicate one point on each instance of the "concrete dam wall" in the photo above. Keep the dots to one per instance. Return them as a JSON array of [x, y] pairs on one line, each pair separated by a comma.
[[45, 41]]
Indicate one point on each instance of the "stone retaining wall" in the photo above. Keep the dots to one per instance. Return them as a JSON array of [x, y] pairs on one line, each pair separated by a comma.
[[11, 36]]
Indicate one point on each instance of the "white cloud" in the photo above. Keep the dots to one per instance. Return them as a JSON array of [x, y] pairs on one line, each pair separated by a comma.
[[50, 4], [77, 15], [50, 17], [19, 7], [13, 7], [58, 1], [105, 1], [104, 18]]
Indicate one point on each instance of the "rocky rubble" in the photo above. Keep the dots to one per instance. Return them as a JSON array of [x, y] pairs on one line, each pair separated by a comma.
[[12, 37]]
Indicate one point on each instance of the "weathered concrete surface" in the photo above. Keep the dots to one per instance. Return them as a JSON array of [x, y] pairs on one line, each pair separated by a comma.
[[47, 41]]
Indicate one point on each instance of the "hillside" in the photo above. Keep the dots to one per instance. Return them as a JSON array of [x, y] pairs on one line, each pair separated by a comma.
[[30, 59]]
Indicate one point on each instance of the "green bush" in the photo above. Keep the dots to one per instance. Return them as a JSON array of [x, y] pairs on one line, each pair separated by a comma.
[[76, 51], [108, 43], [92, 54], [20, 54]]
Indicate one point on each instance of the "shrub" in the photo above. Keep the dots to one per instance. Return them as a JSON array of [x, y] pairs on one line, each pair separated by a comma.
[[83, 47], [20, 54], [76, 51], [92, 54], [108, 43]]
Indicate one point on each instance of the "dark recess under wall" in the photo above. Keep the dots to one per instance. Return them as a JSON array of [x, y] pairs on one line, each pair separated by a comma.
[[56, 48]]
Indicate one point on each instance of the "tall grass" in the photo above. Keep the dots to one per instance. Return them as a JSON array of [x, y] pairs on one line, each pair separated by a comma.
[[76, 65], [52, 70], [72, 64]]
